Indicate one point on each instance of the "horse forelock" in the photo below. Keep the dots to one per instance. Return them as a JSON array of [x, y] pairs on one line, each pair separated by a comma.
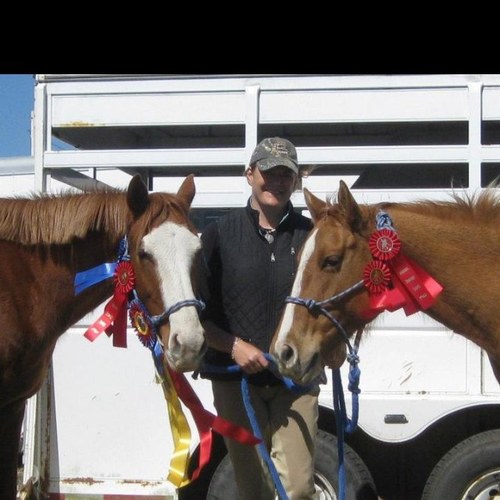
[[59, 219]]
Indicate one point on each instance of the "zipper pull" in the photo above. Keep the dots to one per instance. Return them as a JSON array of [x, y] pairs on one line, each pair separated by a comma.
[[273, 259], [292, 251]]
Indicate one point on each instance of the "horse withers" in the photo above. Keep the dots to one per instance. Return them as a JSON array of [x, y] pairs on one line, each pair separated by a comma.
[[46, 241], [448, 250]]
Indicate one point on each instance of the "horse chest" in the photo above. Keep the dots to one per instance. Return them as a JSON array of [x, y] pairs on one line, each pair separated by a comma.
[[22, 368]]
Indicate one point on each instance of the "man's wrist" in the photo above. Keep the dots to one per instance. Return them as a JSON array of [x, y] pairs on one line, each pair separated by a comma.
[[233, 348]]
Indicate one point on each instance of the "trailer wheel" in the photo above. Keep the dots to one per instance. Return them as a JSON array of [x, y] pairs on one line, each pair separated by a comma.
[[359, 482], [470, 470]]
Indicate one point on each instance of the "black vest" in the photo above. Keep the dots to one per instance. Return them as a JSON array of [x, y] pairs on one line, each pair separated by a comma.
[[249, 278]]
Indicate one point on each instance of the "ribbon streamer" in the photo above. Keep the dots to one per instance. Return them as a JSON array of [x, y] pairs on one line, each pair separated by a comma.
[[179, 426], [85, 279], [113, 321], [422, 287], [205, 421], [176, 387]]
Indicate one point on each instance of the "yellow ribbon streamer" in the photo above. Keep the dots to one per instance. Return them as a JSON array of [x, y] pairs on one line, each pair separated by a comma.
[[181, 433]]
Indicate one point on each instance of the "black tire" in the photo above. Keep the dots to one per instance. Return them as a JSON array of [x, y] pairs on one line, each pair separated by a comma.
[[470, 470], [359, 482]]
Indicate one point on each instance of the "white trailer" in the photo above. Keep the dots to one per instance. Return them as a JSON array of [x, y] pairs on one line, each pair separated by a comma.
[[99, 428]]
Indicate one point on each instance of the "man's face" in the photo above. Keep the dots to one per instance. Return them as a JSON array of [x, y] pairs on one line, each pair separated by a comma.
[[272, 188]]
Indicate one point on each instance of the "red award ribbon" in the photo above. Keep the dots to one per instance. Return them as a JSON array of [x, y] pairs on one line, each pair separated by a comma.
[[422, 288], [413, 288], [376, 276], [114, 319], [205, 421], [388, 300], [384, 244]]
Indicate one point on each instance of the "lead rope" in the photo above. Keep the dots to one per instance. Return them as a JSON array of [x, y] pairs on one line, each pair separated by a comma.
[[245, 393], [261, 446], [343, 423]]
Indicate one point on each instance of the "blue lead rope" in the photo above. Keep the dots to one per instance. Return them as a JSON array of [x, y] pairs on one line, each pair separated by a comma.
[[261, 446], [344, 425]]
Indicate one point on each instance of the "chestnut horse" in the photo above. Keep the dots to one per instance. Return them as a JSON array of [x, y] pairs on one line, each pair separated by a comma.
[[453, 245], [45, 241]]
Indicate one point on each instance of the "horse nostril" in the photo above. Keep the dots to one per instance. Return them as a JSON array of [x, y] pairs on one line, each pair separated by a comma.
[[287, 353], [174, 341]]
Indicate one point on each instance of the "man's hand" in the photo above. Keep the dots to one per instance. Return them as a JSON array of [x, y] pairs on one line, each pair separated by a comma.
[[250, 358]]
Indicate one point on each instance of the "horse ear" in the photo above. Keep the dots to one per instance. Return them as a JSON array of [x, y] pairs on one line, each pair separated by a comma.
[[187, 191], [137, 195], [314, 204], [350, 206]]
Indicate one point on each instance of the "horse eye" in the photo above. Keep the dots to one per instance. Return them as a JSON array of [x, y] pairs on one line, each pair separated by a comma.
[[143, 255], [331, 262]]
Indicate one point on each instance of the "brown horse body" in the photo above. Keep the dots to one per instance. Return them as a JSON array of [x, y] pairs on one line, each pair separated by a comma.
[[44, 242], [456, 242]]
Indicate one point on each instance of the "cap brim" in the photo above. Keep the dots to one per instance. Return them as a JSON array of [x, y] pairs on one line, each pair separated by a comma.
[[269, 163]]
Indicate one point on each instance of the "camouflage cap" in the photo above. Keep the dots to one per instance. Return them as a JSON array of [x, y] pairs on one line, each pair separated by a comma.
[[275, 151]]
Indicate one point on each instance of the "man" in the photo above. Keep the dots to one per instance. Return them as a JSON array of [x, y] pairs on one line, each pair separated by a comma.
[[251, 258]]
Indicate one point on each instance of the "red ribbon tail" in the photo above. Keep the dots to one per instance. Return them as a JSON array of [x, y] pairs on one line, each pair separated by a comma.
[[205, 421], [375, 308], [112, 321], [120, 323], [103, 323], [409, 304], [422, 287]]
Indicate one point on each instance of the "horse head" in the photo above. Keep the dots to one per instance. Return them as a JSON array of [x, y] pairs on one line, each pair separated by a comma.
[[165, 253], [331, 260]]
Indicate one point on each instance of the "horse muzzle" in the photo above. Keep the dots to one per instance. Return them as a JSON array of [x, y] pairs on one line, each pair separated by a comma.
[[302, 368]]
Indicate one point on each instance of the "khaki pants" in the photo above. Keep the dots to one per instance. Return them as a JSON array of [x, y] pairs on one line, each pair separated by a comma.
[[288, 423]]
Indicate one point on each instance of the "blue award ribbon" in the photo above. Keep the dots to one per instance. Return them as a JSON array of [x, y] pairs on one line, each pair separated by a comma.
[[95, 275]]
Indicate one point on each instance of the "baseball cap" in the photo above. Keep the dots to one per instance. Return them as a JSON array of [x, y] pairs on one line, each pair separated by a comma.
[[275, 151]]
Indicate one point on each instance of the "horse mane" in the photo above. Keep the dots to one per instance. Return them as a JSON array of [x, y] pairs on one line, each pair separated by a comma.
[[483, 207], [60, 218]]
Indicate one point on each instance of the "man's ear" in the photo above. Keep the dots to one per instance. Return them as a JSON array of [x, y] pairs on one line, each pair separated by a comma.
[[249, 175]]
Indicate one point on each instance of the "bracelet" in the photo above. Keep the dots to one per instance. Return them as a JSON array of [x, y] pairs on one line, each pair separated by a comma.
[[236, 340]]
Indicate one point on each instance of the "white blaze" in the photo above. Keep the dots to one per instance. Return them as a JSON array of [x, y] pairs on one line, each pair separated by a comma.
[[174, 247], [307, 251]]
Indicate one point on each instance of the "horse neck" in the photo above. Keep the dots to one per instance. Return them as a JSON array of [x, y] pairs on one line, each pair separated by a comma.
[[95, 249], [435, 239], [452, 251], [57, 276]]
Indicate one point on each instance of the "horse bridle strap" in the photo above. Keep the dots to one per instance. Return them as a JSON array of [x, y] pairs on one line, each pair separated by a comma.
[[105, 271], [319, 306], [159, 319]]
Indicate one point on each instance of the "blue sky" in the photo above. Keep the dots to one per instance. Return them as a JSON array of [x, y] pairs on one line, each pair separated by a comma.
[[16, 105]]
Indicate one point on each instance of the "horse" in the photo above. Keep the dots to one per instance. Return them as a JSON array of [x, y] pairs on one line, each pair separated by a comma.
[[438, 257], [46, 241]]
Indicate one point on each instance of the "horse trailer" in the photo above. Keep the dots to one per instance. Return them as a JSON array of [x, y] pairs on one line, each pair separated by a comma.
[[429, 407]]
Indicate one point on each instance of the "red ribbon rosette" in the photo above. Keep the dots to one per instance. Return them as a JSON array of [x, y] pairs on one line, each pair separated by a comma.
[[141, 324], [376, 276], [384, 244], [114, 319], [124, 277]]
